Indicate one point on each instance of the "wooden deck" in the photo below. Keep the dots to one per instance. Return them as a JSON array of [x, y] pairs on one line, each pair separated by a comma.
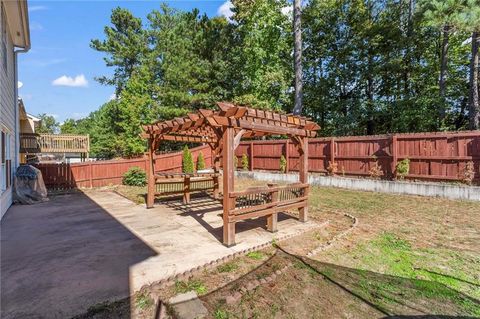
[[32, 143]]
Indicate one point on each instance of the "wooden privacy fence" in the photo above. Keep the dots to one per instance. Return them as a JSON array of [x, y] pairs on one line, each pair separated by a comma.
[[433, 156], [103, 173]]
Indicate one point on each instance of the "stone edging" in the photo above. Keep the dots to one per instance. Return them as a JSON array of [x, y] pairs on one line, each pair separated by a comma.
[[329, 243], [251, 285]]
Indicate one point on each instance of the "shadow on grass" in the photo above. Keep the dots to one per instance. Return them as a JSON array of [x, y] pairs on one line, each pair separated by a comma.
[[387, 296]]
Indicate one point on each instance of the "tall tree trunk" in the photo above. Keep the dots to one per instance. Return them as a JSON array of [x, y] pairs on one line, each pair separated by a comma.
[[297, 52], [474, 107], [443, 70]]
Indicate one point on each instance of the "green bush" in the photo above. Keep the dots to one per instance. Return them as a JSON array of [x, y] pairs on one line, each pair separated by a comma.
[[135, 176], [283, 164], [402, 168], [187, 161], [200, 162], [235, 162], [245, 162]]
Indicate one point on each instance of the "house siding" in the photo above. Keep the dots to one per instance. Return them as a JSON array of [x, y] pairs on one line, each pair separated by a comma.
[[8, 108]]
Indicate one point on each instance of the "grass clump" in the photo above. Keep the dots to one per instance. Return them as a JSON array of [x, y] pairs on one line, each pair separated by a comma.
[[195, 285], [228, 267], [143, 301], [221, 314], [256, 255]]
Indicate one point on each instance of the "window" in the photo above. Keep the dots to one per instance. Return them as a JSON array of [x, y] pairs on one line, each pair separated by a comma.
[[3, 35], [5, 162]]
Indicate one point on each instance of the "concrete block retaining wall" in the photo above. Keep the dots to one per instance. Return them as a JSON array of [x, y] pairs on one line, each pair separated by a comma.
[[397, 187]]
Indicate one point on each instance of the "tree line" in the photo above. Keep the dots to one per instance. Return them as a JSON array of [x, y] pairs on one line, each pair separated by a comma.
[[368, 67]]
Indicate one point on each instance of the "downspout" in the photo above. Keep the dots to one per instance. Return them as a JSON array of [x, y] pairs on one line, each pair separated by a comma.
[[17, 113], [23, 9]]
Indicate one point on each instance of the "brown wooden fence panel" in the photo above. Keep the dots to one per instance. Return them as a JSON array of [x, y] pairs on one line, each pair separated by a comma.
[[102, 173], [433, 156]]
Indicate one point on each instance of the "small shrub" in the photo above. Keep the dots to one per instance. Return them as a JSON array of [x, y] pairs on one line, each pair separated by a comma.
[[200, 162], [332, 168], [283, 164], [187, 161], [228, 267], [376, 171], [235, 162], [403, 168], [468, 173], [245, 162], [135, 176]]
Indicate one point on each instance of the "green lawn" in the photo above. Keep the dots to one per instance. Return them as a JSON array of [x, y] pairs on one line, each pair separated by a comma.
[[409, 255]]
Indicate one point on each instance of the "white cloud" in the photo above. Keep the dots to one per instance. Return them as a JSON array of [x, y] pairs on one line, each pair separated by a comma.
[[226, 10], [19, 84], [36, 8], [43, 63], [78, 81], [78, 115], [35, 26]]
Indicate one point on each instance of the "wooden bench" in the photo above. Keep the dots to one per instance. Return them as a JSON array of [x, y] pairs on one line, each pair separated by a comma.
[[180, 183], [267, 201]]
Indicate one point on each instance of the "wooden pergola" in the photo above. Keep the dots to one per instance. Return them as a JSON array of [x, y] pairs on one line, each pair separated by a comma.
[[222, 130]]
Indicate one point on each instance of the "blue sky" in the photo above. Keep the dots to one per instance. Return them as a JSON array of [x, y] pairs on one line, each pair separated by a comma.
[[57, 74]]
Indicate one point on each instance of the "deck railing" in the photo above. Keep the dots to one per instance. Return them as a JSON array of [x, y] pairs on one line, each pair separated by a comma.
[[262, 201], [31, 143]]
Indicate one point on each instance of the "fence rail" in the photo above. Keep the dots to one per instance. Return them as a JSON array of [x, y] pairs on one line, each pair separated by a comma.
[[433, 156]]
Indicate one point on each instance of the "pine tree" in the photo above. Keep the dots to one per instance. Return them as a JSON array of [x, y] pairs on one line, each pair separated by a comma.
[[187, 161], [200, 162]]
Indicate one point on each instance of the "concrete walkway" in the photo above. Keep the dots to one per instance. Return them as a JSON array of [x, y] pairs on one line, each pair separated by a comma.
[[60, 257]]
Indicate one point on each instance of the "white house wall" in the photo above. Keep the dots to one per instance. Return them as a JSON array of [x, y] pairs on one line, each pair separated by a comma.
[[8, 107]]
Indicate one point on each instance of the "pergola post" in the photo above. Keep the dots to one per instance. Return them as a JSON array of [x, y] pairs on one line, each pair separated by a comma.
[[303, 175], [216, 170], [151, 173], [228, 185]]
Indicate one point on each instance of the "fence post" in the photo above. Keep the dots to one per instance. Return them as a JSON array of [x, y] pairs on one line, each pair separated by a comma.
[[91, 173], [287, 155], [251, 156], [332, 151], [394, 153]]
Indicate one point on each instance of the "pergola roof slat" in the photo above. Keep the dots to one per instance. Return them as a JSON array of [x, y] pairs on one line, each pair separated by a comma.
[[206, 123]]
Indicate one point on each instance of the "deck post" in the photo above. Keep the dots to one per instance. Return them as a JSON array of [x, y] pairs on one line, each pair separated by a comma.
[[228, 185], [151, 173], [186, 190], [216, 169], [303, 175], [272, 220]]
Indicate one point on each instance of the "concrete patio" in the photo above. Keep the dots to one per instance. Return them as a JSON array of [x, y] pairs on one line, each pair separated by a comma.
[[78, 250]]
